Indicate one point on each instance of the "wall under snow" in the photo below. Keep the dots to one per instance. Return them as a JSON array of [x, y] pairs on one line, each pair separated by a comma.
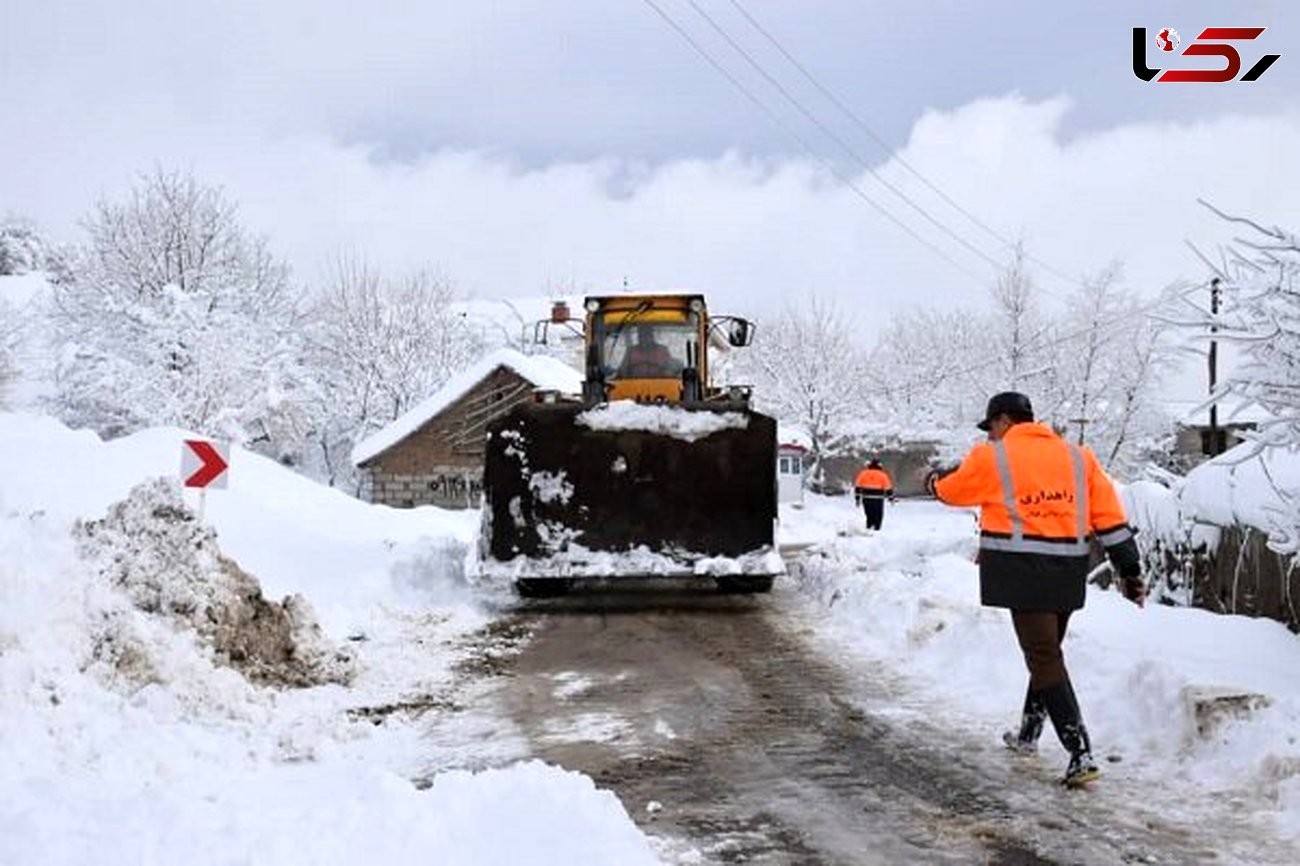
[[1202, 544]]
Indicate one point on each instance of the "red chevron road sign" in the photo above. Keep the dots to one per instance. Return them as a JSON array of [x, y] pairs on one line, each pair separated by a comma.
[[204, 463]]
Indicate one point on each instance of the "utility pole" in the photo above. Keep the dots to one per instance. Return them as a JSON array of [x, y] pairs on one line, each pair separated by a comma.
[[1214, 357], [1083, 425]]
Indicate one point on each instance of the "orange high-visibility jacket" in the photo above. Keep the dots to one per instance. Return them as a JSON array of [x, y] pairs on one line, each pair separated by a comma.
[[873, 484], [1040, 500]]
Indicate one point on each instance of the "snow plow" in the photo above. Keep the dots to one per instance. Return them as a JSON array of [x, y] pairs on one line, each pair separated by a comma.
[[651, 471]]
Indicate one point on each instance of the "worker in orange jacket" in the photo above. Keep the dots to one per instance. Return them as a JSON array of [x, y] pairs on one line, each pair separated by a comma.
[[871, 488], [1041, 499]]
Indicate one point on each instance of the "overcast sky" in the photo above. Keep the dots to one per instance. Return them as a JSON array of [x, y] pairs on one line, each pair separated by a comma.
[[525, 146]]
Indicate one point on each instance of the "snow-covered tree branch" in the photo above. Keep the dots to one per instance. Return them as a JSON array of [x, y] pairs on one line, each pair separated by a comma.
[[809, 369]]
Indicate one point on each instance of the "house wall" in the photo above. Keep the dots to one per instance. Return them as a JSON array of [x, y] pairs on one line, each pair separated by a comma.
[[441, 463], [1188, 440]]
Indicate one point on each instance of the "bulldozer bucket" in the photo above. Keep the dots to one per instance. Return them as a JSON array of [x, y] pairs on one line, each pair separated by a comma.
[[630, 490]]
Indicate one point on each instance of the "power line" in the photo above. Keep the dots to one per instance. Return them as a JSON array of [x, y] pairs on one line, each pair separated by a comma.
[[880, 142], [830, 133], [784, 128]]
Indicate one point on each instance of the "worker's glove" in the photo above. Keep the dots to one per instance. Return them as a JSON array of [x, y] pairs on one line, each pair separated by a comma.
[[932, 478], [1134, 589], [893, 500]]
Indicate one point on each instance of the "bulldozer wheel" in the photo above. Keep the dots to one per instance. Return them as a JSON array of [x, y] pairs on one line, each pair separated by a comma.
[[542, 587], [745, 584]]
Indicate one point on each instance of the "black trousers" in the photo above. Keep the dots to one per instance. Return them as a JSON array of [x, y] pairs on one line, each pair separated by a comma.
[[874, 508]]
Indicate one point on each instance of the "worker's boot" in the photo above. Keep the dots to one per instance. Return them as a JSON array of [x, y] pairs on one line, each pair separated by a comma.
[[1063, 708], [1025, 741]]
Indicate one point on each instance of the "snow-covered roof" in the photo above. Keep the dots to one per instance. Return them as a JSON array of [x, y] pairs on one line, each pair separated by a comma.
[[1232, 410], [545, 372]]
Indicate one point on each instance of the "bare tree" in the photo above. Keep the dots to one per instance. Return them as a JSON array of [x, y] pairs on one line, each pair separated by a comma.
[[1145, 357], [1017, 320], [1091, 313], [922, 366], [809, 369], [379, 346]]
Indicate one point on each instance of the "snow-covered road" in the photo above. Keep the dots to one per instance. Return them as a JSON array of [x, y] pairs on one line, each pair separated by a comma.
[[730, 737]]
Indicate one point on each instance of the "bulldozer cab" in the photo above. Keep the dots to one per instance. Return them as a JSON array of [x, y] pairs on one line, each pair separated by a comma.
[[647, 348]]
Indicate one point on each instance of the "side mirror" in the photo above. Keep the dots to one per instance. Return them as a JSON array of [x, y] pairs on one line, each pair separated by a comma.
[[740, 332]]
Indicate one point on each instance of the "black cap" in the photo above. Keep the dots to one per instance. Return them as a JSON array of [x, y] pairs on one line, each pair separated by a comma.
[[1011, 403]]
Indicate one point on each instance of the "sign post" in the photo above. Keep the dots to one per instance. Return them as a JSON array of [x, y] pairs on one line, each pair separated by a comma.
[[204, 465]]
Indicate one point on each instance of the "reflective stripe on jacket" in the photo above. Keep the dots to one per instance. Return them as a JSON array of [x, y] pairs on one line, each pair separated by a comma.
[[873, 483], [1040, 500]]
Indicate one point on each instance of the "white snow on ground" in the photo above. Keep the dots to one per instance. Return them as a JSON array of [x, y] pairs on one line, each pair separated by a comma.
[[908, 596], [128, 737], [669, 420]]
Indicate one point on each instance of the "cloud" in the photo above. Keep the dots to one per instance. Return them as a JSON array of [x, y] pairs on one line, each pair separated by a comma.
[[754, 232]]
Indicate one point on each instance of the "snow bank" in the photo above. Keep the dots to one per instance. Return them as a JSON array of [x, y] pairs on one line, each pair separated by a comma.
[[144, 708], [296, 536], [527, 814], [1243, 487], [671, 421], [154, 550]]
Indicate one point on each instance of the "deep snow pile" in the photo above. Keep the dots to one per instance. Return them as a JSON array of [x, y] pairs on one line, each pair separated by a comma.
[[1192, 709], [144, 713], [153, 548]]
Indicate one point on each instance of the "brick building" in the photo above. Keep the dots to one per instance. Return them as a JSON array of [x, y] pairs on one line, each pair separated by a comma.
[[433, 454]]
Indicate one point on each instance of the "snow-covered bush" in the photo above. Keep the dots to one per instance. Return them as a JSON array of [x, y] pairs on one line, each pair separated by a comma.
[[22, 248]]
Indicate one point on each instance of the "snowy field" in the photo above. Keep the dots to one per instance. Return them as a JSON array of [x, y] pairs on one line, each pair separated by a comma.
[[133, 730]]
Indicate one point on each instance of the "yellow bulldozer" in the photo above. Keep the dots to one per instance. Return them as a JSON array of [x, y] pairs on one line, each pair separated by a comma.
[[650, 471]]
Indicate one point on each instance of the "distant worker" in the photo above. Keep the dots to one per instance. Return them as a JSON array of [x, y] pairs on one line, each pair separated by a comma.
[[871, 488], [648, 358], [1040, 499]]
